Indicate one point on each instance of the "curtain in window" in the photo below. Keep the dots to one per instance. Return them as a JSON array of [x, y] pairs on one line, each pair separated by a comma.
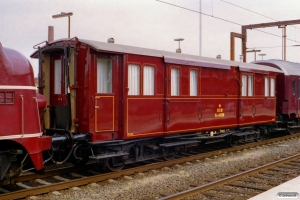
[[148, 81], [133, 79], [244, 85], [250, 86], [104, 76], [193, 83], [266, 87], [272, 89], [175, 82], [57, 76]]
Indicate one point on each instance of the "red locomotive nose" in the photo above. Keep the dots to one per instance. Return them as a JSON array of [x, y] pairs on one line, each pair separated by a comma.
[[5, 64]]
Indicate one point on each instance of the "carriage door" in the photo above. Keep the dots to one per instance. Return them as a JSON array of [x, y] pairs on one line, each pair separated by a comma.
[[60, 116], [107, 96]]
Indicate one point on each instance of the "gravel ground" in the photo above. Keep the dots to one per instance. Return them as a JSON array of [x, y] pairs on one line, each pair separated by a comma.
[[151, 184]]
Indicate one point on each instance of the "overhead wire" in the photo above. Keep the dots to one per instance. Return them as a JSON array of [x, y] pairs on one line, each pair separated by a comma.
[[219, 18], [253, 11]]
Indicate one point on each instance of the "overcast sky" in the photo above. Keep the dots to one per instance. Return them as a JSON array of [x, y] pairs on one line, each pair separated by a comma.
[[152, 24]]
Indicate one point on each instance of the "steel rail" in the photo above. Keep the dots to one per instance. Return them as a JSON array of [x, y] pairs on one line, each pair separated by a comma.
[[102, 177], [214, 184]]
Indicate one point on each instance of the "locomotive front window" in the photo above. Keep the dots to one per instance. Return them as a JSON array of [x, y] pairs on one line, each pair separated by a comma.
[[266, 87], [193, 82], [133, 79], [148, 81], [175, 84], [104, 76]]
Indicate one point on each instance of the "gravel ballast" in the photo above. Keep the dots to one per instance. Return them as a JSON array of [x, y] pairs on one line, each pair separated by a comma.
[[168, 180]]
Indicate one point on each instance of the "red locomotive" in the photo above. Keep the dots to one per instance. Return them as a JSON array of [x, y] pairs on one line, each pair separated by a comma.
[[120, 104]]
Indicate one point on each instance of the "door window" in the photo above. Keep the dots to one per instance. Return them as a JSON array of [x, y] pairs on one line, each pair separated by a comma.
[[134, 79], [104, 76]]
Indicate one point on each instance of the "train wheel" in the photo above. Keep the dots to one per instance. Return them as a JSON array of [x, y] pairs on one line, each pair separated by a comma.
[[259, 136], [232, 141], [291, 131], [114, 164], [169, 157]]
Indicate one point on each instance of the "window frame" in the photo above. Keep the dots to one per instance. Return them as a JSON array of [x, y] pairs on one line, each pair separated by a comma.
[[293, 87], [197, 81], [245, 85], [139, 79], [112, 72], [179, 80], [143, 79]]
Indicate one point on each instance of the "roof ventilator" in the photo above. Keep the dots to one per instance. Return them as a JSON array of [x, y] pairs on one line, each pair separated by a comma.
[[111, 40]]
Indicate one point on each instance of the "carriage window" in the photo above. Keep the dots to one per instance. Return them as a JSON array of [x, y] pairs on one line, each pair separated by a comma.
[[148, 81], [266, 87], [133, 79], [175, 84], [250, 86], [193, 83], [293, 86], [244, 85], [272, 89], [104, 76], [57, 76]]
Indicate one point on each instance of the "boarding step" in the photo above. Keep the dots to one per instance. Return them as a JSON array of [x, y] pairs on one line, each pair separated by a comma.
[[244, 133], [294, 126], [172, 144], [109, 155], [279, 122], [180, 136], [278, 129]]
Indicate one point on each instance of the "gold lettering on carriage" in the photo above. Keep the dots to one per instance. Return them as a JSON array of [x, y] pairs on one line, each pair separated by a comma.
[[220, 112]]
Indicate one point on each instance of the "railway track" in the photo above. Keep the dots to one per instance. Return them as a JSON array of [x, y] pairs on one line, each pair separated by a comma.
[[45, 185], [247, 183]]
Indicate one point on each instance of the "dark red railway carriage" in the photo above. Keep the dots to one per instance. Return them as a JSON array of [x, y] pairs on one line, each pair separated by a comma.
[[136, 103], [120, 104]]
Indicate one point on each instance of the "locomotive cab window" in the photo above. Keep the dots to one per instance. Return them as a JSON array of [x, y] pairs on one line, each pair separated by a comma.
[[104, 76], [148, 80], [175, 82], [133, 79], [193, 82]]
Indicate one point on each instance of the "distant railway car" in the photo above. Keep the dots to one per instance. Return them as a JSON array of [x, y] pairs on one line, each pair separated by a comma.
[[288, 91]]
